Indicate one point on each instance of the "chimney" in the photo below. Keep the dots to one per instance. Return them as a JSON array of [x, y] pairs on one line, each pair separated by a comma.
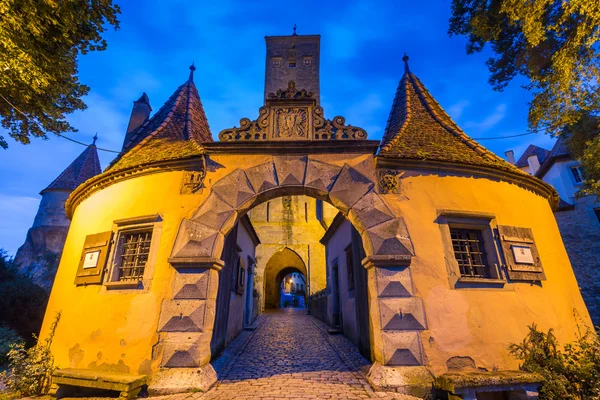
[[139, 115], [510, 156], [534, 164]]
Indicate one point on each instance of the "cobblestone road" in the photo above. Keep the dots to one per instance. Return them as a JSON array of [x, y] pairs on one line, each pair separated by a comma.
[[288, 357]]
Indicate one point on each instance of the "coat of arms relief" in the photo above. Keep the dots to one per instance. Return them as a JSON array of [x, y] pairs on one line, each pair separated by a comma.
[[291, 123]]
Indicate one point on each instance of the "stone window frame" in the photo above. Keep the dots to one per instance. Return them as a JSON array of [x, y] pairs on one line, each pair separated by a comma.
[[128, 225], [276, 62], [307, 61], [485, 223]]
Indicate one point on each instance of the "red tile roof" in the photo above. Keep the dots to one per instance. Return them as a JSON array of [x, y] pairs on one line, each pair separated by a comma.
[[176, 130], [418, 128], [85, 166]]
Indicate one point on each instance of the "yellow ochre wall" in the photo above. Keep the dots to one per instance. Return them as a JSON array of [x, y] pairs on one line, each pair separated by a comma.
[[116, 329], [481, 322]]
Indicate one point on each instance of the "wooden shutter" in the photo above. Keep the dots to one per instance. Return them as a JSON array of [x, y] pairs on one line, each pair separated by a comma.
[[93, 259], [520, 254]]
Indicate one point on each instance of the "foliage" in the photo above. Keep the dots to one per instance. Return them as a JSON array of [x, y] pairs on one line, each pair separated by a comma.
[[8, 337], [572, 373], [40, 41], [554, 44], [22, 303], [30, 370]]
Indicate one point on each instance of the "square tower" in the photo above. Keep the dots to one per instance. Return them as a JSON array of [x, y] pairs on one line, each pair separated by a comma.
[[293, 58]]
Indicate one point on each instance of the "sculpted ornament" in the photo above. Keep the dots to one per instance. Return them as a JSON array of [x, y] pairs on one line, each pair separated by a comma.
[[292, 114], [388, 181]]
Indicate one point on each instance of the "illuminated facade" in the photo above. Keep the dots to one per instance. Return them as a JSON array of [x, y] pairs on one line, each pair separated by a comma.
[[453, 251]]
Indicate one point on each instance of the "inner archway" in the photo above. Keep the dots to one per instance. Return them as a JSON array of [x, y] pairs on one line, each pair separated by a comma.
[[282, 263]]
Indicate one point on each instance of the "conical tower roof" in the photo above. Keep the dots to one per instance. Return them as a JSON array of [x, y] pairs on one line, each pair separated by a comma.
[[418, 128], [85, 166], [175, 131]]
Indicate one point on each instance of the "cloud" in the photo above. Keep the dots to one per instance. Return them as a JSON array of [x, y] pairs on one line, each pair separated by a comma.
[[16, 210], [488, 122], [456, 110]]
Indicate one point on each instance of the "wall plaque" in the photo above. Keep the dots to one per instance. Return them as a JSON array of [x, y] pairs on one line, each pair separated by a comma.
[[522, 254], [91, 259]]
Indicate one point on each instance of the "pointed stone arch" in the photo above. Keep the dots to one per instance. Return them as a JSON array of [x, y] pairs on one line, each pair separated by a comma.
[[282, 262]]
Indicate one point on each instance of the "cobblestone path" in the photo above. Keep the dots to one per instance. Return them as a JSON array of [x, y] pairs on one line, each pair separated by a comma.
[[287, 357]]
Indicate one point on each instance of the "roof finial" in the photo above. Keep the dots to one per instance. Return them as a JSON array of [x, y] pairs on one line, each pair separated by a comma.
[[295, 34], [95, 138], [405, 59], [192, 69]]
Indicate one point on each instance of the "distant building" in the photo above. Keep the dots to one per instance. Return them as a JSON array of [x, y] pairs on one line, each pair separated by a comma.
[[578, 218], [40, 254]]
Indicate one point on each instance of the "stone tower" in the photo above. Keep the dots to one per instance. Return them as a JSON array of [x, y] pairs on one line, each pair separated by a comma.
[[40, 254], [293, 58]]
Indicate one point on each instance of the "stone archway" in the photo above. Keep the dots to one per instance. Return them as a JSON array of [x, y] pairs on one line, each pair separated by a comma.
[[281, 263], [396, 315]]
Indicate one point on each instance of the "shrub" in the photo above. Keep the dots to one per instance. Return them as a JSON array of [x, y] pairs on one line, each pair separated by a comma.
[[30, 370], [572, 373], [8, 337]]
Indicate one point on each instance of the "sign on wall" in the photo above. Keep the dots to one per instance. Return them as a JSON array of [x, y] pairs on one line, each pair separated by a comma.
[[93, 258], [520, 254]]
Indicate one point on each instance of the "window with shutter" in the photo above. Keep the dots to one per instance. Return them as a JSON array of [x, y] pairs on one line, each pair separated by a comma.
[[93, 259], [521, 256]]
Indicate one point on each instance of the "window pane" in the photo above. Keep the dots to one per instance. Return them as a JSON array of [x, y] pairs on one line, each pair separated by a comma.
[[469, 252], [134, 256]]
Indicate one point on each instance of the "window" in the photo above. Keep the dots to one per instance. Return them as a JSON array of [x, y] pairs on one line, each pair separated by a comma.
[[577, 174], [292, 64], [307, 61], [469, 252], [276, 62], [350, 267], [131, 254], [597, 212], [319, 209]]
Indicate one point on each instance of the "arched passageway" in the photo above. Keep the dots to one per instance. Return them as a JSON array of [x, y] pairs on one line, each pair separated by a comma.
[[282, 263]]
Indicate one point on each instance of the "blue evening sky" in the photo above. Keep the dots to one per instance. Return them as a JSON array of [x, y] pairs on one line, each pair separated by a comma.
[[362, 44]]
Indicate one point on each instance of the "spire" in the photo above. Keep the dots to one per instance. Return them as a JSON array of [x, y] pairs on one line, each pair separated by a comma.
[[181, 121], [192, 69], [85, 166], [418, 128], [295, 34], [95, 138]]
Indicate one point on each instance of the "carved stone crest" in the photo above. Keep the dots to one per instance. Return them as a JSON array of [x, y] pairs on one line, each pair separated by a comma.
[[292, 114], [192, 182], [388, 181], [291, 123]]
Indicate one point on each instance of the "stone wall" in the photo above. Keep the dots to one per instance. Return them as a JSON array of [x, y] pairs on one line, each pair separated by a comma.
[[580, 230]]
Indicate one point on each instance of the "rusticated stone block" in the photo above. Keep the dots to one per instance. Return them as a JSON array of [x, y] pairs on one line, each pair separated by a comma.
[[191, 286], [349, 187], [234, 189], [401, 348], [214, 212], [390, 238], [402, 314], [196, 240], [394, 282], [290, 170], [320, 175], [182, 316], [371, 210], [262, 177]]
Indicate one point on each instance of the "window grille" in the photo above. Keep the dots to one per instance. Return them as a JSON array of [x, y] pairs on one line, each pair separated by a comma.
[[470, 253], [134, 255]]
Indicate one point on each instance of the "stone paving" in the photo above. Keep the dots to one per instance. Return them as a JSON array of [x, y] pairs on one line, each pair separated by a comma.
[[289, 356]]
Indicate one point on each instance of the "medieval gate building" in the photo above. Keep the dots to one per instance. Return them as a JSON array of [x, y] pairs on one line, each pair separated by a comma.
[[461, 249]]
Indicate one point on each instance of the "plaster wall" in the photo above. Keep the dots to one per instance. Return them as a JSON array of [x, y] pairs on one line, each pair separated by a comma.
[[116, 329], [561, 177], [481, 321], [237, 304], [336, 246]]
